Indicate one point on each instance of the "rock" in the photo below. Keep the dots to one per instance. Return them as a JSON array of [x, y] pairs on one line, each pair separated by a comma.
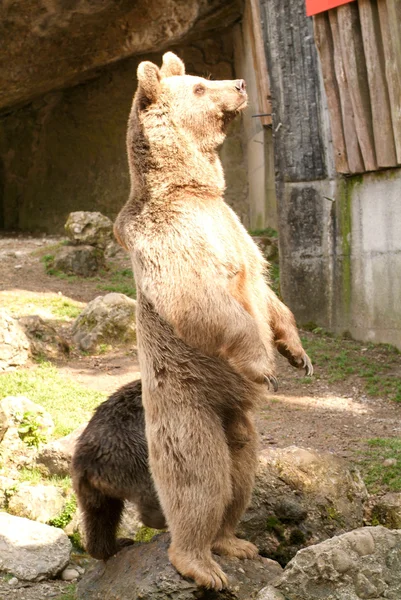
[[8, 485], [37, 502], [56, 456], [268, 246], [364, 563], [89, 228], [106, 318], [301, 497], [14, 345], [144, 572], [130, 522], [43, 338], [13, 582], [84, 261], [270, 593], [69, 574], [14, 408], [34, 34], [30, 550], [386, 510]]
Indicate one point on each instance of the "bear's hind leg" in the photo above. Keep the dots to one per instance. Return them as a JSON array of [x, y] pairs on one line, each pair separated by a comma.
[[101, 516], [192, 474], [242, 440]]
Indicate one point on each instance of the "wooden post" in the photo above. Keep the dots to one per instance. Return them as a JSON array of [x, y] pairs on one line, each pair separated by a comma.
[[392, 59], [355, 160], [379, 99], [324, 43], [355, 70], [259, 60]]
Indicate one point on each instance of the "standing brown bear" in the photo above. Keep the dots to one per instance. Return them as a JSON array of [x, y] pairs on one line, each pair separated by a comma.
[[207, 320]]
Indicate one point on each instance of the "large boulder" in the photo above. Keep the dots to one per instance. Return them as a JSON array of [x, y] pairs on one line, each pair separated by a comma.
[[50, 45], [144, 572], [37, 502], [301, 497], [89, 228], [84, 261], [30, 550], [360, 564], [106, 319], [14, 344], [56, 456], [44, 340]]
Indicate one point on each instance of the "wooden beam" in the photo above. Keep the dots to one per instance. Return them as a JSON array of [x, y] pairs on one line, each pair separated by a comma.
[[392, 59], [324, 43], [355, 160], [259, 60], [379, 98], [355, 70]]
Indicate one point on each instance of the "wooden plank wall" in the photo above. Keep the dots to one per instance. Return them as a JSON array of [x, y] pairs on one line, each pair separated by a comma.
[[360, 53]]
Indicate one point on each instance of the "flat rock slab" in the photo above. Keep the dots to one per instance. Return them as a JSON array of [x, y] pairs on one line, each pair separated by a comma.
[[359, 565], [30, 550], [144, 572]]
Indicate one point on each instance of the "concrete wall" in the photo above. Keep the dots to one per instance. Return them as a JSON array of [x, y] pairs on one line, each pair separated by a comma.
[[66, 151], [375, 266]]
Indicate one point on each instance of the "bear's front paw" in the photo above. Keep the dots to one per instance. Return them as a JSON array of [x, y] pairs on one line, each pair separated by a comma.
[[271, 380]]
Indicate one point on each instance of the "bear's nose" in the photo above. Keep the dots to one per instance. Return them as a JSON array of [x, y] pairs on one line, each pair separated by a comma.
[[240, 85]]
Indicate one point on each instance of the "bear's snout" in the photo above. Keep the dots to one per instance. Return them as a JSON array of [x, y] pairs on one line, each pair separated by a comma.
[[240, 85]]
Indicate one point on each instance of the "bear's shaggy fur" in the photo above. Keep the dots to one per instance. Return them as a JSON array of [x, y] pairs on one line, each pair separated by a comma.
[[109, 466], [207, 320]]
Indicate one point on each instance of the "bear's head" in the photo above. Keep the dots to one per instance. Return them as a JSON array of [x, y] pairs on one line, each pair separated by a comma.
[[194, 107]]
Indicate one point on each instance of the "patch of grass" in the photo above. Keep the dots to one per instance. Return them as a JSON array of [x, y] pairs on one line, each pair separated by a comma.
[[68, 402], [377, 476], [33, 475], [377, 365], [47, 306], [145, 534], [120, 281]]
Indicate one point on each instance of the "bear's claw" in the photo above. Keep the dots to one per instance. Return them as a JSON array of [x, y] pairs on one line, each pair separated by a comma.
[[271, 380]]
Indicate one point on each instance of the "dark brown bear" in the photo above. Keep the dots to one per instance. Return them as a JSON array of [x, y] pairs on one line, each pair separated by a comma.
[[110, 465]]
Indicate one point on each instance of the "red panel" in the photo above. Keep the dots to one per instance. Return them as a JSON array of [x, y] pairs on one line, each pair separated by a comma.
[[316, 6]]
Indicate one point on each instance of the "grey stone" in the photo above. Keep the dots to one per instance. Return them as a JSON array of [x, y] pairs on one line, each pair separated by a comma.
[[84, 261], [357, 565], [14, 345], [89, 228], [106, 319], [37, 502], [13, 582], [44, 340], [144, 572], [56, 456], [69, 574], [301, 497], [30, 550], [270, 593]]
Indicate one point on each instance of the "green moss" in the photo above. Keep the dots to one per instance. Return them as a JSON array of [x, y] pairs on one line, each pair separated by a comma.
[[146, 534], [66, 516], [274, 525], [297, 537]]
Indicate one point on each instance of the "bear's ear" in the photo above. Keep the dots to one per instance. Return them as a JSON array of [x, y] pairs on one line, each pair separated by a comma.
[[149, 80], [172, 65]]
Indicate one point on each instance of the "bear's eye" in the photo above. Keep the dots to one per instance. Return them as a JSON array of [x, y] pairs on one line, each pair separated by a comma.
[[199, 89]]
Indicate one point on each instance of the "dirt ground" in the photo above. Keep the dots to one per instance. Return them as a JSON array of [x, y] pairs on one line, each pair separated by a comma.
[[332, 412]]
